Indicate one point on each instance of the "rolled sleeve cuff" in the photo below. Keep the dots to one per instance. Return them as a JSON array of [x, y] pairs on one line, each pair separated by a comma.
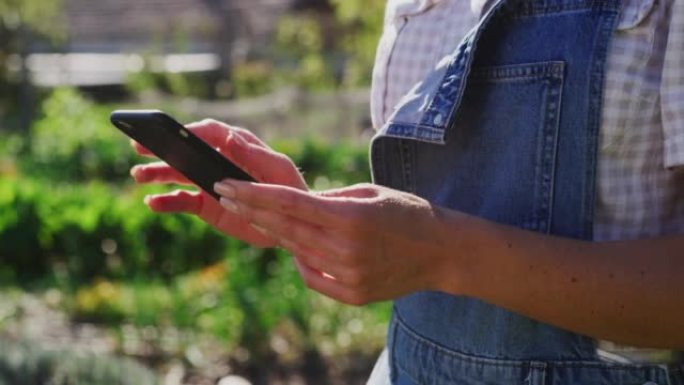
[[674, 151]]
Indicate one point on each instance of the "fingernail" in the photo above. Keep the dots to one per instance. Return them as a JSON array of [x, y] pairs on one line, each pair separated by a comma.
[[225, 189], [133, 170], [229, 205], [260, 229], [147, 199]]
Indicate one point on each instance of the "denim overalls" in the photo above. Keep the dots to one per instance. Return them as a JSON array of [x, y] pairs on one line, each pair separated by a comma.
[[506, 128]]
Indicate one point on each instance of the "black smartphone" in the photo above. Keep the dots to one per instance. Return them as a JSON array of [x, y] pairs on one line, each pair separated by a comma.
[[179, 147]]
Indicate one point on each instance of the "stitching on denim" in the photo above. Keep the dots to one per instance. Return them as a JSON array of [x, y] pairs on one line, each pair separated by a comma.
[[522, 71], [537, 7], [414, 131], [407, 166], [392, 336], [521, 363], [459, 355], [461, 70], [549, 159]]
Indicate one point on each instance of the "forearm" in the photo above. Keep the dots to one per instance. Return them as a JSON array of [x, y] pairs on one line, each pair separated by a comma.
[[628, 292]]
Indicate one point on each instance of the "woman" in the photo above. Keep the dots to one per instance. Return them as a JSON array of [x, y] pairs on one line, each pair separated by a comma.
[[528, 199]]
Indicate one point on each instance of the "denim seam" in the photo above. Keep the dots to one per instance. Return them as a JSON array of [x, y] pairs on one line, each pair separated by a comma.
[[466, 357], [459, 355], [537, 373], [407, 163], [517, 72], [550, 156], [527, 9], [392, 337], [460, 68], [418, 132]]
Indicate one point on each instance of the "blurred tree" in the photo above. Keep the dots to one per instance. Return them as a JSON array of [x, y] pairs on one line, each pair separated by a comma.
[[361, 22], [330, 45], [21, 23]]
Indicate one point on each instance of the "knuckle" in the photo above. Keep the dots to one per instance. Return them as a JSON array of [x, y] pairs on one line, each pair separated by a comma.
[[290, 203], [299, 233], [281, 159], [355, 279], [209, 122], [353, 214]]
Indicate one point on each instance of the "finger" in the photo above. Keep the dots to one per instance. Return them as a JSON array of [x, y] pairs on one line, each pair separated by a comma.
[[249, 137], [290, 232], [345, 275], [287, 201], [140, 149], [158, 172], [215, 133], [262, 163], [180, 201], [360, 191], [249, 153], [316, 280]]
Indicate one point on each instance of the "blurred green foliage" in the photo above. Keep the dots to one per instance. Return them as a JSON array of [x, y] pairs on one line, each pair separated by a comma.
[[16, 14], [70, 219], [50, 219], [22, 22], [195, 85], [94, 229], [315, 52], [361, 24], [74, 141], [26, 364]]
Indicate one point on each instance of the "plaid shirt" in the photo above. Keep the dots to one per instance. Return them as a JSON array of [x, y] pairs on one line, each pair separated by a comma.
[[640, 186]]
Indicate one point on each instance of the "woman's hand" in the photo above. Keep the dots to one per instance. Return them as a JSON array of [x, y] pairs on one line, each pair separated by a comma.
[[245, 150], [358, 244]]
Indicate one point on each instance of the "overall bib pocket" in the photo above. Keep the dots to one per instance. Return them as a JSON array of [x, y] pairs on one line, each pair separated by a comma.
[[501, 161]]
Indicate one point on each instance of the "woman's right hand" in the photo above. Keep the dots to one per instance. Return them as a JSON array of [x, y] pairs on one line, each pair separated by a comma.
[[244, 149]]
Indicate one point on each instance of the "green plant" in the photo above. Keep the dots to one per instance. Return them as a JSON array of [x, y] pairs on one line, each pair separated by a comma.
[[74, 141], [315, 52], [361, 23], [304, 61], [22, 24], [252, 78], [95, 230]]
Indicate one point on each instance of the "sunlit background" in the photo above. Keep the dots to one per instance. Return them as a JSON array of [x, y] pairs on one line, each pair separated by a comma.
[[94, 288]]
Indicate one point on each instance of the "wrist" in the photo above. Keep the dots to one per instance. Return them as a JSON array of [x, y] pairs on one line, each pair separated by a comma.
[[458, 252]]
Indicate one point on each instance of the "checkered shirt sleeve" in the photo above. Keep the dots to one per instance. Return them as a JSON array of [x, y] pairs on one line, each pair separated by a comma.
[[672, 89]]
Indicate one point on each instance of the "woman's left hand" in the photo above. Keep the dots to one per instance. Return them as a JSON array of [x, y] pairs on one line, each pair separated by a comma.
[[358, 244]]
